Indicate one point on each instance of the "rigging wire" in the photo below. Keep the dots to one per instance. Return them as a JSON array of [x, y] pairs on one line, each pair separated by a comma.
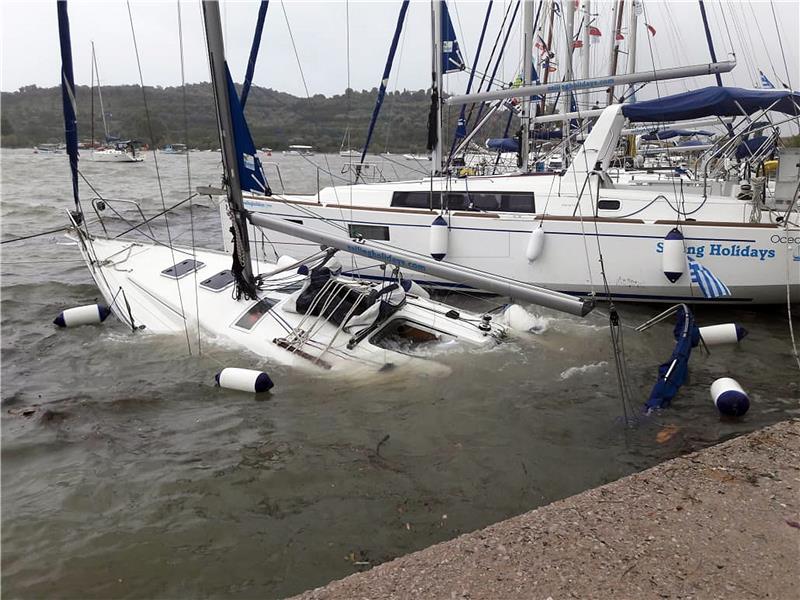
[[155, 162], [189, 172], [780, 43]]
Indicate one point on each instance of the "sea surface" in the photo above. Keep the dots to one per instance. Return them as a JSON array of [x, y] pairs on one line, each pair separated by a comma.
[[127, 474]]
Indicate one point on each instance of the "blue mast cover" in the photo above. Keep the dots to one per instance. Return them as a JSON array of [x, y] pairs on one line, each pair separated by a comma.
[[251, 62], [68, 96], [713, 101], [250, 172], [387, 69], [452, 60]]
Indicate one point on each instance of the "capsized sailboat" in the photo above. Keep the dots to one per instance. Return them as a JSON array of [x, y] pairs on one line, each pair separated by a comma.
[[302, 313]]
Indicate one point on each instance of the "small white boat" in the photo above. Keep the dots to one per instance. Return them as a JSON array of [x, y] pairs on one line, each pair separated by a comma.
[[123, 152], [48, 149], [174, 149], [417, 157], [299, 150]]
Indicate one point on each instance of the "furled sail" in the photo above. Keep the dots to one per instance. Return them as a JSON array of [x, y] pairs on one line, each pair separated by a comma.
[[68, 96], [251, 174], [251, 62], [387, 69], [452, 60]]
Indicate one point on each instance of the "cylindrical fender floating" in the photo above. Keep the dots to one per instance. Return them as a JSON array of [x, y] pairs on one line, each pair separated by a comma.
[[519, 319], [439, 233], [82, 315], [244, 380], [729, 397], [727, 333], [673, 258], [412, 287], [535, 244]]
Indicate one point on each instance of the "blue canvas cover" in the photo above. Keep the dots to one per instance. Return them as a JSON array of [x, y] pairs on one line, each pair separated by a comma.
[[713, 102], [672, 374], [667, 134], [503, 144]]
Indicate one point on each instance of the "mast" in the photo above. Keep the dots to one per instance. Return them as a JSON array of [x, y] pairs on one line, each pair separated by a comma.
[[435, 118], [242, 263], [251, 62], [527, 76], [546, 75], [569, 37], [632, 22], [99, 94], [709, 40], [587, 19], [616, 19], [68, 97]]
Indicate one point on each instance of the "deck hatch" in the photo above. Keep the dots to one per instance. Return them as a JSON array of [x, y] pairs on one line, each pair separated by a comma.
[[218, 282], [183, 268]]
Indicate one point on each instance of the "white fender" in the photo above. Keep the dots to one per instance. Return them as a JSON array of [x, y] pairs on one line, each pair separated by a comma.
[[244, 380], [82, 315], [729, 397], [438, 238], [535, 244], [673, 258], [727, 333]]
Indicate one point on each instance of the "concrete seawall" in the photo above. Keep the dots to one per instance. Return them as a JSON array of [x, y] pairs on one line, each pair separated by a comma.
[[719, 523]]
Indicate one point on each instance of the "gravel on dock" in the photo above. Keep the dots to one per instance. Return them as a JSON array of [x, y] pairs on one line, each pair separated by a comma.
[[719, 523]]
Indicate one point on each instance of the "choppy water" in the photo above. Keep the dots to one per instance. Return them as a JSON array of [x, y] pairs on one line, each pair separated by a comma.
[[126, 473]]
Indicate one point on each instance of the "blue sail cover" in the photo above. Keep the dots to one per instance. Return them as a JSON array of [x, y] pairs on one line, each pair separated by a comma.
[[750, 147], [503, 144], [667, 134], [251, 174], [68, 96], [251, 62], [672, 374], [452, 60], [713, 102]]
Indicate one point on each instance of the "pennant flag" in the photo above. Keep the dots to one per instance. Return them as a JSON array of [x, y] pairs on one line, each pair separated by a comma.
[[651, 29], [710, 285], [577, 44], [765, 83], [594, 31], [620, 37]]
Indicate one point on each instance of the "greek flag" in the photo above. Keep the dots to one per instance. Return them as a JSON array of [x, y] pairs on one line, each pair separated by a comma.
[[766, 83], [710, 285]]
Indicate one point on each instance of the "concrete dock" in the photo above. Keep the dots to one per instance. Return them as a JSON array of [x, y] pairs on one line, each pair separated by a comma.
[[719, 523]]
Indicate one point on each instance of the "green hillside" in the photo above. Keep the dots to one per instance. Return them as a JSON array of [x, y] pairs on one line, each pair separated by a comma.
[[32, 115]]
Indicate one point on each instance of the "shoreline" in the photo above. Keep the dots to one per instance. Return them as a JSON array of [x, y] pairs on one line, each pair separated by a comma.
[[720, 522]]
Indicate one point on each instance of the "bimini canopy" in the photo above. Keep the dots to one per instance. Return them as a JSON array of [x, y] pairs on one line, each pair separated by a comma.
[[668, 134], [713, 102]]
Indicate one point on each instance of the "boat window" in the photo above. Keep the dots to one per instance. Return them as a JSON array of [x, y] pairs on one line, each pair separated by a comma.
[[183, 268], [368, 232], [415, 199], [254, 314], [218, 282], [481, 201], [608, 204]]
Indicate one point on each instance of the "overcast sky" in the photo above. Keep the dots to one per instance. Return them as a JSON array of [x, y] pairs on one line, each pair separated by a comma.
[[30, 53]]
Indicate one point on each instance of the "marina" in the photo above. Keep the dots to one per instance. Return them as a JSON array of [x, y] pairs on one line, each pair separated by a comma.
[[570, 349]]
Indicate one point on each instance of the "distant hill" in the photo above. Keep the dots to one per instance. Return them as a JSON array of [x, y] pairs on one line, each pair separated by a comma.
[[32, 115]]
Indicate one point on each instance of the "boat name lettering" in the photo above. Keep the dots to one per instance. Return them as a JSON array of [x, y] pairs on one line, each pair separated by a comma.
[[783, 239], [383, 256], [725, 250]]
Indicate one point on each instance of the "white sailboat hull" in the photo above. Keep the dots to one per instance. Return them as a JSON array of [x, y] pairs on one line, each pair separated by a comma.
[[755, 261], [116, 156]]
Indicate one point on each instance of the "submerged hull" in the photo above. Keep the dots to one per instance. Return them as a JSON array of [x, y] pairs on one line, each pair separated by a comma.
[[146, 288], [756, 261]]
